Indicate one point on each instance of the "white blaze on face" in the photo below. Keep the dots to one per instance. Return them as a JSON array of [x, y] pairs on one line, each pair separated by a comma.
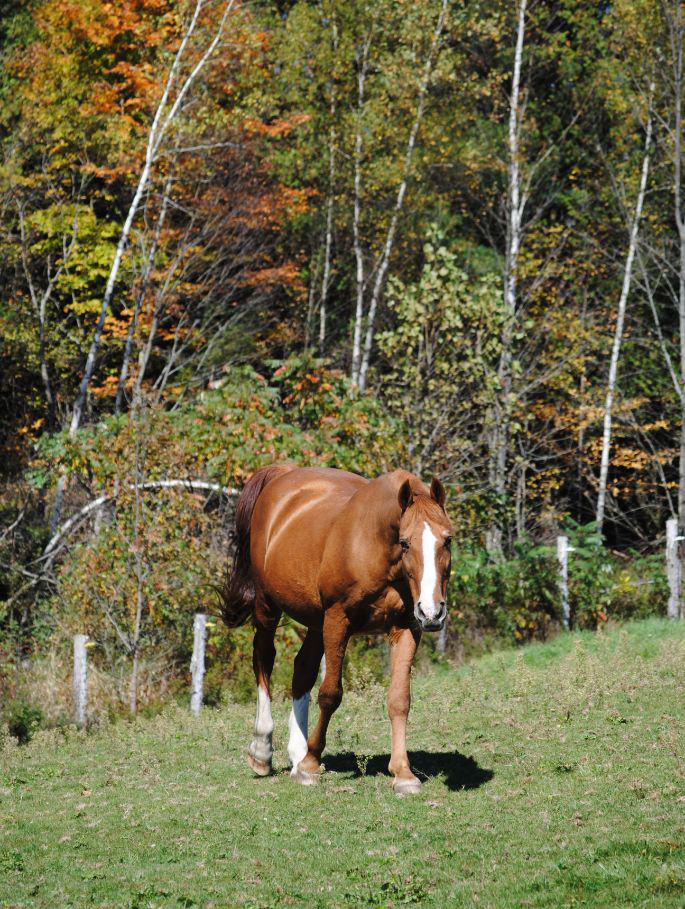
[[429, 579], [297, 725], [261, 747]]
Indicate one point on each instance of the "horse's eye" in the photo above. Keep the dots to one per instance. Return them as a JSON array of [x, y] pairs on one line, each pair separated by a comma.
[[405, 545], [448, 542]]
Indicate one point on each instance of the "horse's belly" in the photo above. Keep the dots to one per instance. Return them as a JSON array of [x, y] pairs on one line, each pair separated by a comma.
[[289, 581]]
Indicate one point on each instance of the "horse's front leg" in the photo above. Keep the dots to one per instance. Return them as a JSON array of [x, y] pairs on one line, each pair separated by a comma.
[[402, 650], [336, 634]]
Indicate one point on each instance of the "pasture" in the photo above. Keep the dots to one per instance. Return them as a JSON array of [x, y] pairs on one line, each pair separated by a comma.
[[554, 776]]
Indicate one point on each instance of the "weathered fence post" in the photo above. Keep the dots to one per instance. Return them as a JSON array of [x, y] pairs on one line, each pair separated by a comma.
[[441, 643], [197, 663], [562, 561], [80, 680], [673, 568]]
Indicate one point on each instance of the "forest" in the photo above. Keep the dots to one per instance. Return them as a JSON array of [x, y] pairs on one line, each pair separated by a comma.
[[439, 235]]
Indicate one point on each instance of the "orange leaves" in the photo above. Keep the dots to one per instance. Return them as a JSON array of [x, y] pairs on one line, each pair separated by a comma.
[[276, 129], [286, 275]]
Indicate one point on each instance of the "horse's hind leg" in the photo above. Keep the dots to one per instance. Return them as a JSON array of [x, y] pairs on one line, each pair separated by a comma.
[[260, 750], [307, 664]]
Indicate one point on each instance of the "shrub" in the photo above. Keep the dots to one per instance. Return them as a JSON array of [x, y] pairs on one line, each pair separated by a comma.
[[23, 721], [515, 599]]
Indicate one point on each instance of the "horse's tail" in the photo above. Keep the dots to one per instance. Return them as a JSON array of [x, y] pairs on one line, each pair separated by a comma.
[[238, 591]]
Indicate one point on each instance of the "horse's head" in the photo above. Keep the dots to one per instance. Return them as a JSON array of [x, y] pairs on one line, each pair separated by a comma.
[[425, 539]]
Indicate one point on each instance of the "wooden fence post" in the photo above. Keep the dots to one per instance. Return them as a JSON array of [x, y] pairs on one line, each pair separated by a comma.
[[80, 679], [562, 562], [441, 643], [197, 663], [673, 568]]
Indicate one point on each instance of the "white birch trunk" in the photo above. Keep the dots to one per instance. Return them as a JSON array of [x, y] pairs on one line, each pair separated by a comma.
[[677, 43], [516, 201], [384, 261], [331, 196], [620, 319], [358, 253], [328, 243]]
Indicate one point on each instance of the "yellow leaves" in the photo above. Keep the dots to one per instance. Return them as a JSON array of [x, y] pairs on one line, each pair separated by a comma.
[[83, 307], [630, 458], [32, 429]]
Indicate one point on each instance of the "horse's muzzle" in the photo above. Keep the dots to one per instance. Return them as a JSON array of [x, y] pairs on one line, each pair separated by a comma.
[[431, 623]]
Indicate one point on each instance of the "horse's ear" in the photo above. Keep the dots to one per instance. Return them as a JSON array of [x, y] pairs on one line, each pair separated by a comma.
[[405, 496], [438, 492]]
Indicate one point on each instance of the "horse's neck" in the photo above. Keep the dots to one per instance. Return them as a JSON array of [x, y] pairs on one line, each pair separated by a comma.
[[377, 521], [379, 506]]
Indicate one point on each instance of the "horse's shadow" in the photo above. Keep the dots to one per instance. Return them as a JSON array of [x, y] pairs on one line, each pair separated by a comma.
[[458, 770]]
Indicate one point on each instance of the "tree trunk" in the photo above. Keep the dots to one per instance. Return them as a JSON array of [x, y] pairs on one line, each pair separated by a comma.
[[331, 196], [620, 318], [499, 434], [356, 215], [160, 124], [384, 261], [677, 44], [145, 281]]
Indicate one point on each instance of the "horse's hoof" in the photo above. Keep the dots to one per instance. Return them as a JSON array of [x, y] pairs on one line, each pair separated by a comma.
[[304, 777], [406, 786], [261, 768]]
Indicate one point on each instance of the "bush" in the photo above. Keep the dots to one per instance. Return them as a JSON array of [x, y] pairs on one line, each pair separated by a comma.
[[604, 584], [23, 721], [515, 599], [518, 599]]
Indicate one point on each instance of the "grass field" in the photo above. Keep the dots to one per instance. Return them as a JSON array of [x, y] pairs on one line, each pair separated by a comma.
[[555, 776]]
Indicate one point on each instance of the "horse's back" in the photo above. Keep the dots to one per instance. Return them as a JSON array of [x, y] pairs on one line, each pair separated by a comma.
[[290, 524]]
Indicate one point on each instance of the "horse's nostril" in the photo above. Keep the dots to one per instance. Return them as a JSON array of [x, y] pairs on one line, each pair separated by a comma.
[[419, 610], [443, 604]]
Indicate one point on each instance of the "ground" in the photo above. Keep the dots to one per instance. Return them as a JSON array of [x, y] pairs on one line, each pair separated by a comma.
[[554, 776]]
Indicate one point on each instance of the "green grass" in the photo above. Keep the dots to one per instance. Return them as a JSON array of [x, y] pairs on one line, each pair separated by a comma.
[[555, 777]]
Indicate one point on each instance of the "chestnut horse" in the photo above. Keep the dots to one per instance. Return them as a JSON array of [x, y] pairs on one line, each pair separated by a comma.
[[341, 555]]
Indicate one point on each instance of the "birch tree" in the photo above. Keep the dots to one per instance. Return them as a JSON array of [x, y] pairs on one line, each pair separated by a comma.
[[365, 312], [531, 188], [674, 18], [515, 208], [332, 139], [167, 110], [633, 230]]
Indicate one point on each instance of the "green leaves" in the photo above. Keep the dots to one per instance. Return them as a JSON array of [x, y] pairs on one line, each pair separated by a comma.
[[441, 357]]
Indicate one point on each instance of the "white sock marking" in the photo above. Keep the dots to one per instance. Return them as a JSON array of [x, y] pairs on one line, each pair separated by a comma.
[[297, 724], [429, 579], [261, 747]]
